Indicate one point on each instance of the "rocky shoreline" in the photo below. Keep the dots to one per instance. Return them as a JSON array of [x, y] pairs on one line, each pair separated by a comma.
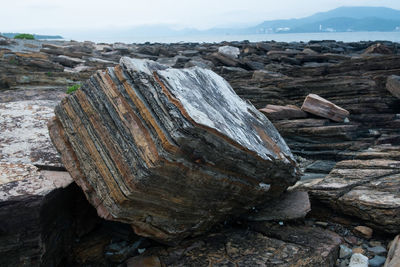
[[351, 167]]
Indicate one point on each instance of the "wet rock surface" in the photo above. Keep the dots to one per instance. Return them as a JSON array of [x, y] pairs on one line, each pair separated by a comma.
[[353, 76]]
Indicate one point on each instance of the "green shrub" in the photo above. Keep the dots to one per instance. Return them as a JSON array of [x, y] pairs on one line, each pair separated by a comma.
[[24, 36], [73, 88]]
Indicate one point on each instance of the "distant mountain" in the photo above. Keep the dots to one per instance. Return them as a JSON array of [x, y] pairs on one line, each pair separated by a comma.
[[37, 36], [342, 19], [338, 20]]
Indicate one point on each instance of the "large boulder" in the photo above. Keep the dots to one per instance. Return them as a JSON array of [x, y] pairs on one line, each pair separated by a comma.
[[169, 151]]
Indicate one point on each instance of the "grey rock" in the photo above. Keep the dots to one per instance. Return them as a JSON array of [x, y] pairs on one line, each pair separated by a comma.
[[290, 206], [197, 63], [378, 250], [189, 53], [345, 252], [377, 261], [321, 166], [229, 51], [68, 61], [393, 85], [358, 260], [24, 136]]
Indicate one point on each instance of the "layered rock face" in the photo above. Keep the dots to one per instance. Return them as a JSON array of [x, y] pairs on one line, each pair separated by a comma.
[[169, 151]]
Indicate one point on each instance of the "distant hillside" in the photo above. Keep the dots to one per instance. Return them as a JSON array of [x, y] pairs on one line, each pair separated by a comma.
[[37, 36], [338, 20]]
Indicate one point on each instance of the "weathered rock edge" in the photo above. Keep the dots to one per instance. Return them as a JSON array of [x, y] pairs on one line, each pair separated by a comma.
[[169, 151]]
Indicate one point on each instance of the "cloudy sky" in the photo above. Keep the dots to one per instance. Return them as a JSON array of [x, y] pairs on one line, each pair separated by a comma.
[[53, 16]]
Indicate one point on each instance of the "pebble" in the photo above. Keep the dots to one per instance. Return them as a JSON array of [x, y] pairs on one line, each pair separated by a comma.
[[323, 224], [358, 260], [374, 243], [345, 252], [378, 250], [359, 250], [353, 240], [363, 231], [377, 261], [344, 263]]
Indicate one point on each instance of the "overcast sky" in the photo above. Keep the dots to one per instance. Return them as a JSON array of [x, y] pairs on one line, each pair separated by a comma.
[[54, 16]]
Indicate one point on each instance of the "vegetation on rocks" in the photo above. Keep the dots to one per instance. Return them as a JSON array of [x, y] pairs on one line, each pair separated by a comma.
[[24, 36], [73, 88]]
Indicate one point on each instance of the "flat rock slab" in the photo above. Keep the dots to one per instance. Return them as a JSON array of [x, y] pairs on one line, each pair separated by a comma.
[[319, 106], [393, 85], [169, 151], [291, 205], [276, 112], [33, 214], [300, 247], [367, 189], [24, 136]]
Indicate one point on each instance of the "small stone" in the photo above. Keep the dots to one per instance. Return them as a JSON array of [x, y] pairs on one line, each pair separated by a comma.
[[345, 252], [359, 250], [377, 261], [374, 243], [358, 260], [378, 250], [323, 224], [344, 263], [363, 231], [145, 261], [353, 240]]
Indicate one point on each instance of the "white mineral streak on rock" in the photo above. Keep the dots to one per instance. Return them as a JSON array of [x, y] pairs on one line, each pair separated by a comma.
[[142, 65], [24, 136], [204, 108]]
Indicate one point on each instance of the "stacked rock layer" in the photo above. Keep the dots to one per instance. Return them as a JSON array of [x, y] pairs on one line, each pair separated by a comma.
[[169, 151]]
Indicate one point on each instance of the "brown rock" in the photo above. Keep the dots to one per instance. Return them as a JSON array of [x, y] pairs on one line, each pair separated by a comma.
[[290, 206], [359, 250], [378, 49], [363, 231], [275, 112], [366, 189], [319, 106], [172, 162], [292, 246], [144, 261], [393, 85], [220, 59], [393, 256]]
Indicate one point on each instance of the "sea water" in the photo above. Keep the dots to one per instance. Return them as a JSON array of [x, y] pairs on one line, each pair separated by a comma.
[[283, 37]]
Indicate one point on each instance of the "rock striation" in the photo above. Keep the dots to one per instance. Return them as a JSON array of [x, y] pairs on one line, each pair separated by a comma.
[[169, 151]]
